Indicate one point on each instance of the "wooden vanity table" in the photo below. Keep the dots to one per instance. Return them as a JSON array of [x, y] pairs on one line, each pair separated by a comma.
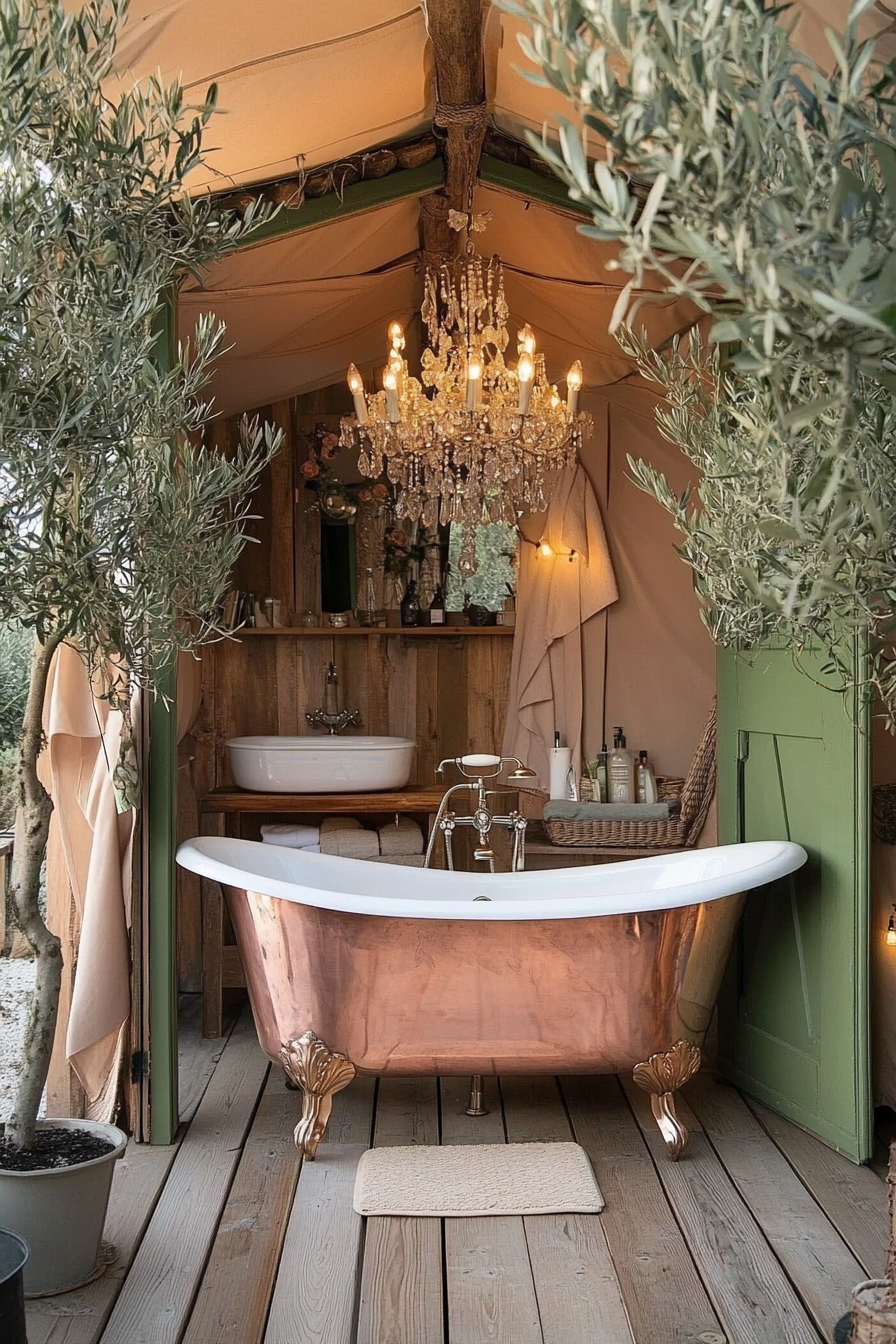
[[238, 814]]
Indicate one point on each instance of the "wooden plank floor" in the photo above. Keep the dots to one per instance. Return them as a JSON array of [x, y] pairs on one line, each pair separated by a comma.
[[756, 1236]]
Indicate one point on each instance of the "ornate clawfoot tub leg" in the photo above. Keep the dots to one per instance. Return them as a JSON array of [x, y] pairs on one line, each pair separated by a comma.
[[662, 1076], [319, 1072]]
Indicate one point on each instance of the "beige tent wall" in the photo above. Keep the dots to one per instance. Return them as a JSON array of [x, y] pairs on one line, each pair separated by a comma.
[[650, 663]]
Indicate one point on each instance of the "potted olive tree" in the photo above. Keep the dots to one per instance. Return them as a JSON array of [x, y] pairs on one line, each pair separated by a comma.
[[118, 528], [765, 191]]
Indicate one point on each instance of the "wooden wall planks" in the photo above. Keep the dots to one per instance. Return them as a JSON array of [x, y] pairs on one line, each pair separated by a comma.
[[448, 695]]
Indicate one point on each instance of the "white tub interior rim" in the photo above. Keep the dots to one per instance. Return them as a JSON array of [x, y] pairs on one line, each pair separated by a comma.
[[635, 886]]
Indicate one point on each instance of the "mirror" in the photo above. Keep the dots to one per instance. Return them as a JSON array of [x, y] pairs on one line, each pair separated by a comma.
[[337, 565]]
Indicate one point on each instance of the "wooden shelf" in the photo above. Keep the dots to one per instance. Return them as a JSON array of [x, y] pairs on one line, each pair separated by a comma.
[[410, 799], [414, 631]]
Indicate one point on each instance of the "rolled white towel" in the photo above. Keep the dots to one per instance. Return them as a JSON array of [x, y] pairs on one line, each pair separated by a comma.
[[290, 835], [402, 840]]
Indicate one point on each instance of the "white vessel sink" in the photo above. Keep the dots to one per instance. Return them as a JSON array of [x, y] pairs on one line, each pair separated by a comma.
[[320, 764]]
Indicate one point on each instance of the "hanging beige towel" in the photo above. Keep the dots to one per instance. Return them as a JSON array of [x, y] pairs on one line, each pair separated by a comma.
[[555, 596], [83, 743]]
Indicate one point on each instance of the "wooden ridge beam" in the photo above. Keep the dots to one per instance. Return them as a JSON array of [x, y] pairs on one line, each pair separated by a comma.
[[455, 31]]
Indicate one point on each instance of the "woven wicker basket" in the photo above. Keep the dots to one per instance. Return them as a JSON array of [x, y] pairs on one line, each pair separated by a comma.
[[677, 832]]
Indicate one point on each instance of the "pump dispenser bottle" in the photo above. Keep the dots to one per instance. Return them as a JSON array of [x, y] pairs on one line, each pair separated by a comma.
[[647, 791], [620, 771]]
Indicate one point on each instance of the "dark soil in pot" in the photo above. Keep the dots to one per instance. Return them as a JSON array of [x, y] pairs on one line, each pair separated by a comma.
[[53, 1148]]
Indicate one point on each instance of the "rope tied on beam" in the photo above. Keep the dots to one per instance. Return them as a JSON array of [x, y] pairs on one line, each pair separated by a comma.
[[472, 116]]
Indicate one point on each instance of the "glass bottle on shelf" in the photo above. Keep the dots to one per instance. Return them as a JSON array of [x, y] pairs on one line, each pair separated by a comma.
[[437, 607], [410, 605], [367, 611]]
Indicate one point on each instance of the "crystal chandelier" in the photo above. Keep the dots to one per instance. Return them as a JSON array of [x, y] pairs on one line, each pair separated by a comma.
[[476, 440]]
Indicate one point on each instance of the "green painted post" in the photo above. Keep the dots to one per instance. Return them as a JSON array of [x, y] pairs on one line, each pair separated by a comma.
[[162, 840], [161, 837]]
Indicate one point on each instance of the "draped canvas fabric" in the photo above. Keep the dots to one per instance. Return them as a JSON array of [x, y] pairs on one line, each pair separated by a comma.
[[83, 737], [83, 745], [555, 597]]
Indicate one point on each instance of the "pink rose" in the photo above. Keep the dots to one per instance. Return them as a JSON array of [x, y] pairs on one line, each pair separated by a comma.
[[309, 470], [381, 492], [365, 496], [329, 445]]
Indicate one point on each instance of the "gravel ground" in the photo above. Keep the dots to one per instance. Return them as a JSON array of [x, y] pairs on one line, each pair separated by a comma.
[[16, 980]]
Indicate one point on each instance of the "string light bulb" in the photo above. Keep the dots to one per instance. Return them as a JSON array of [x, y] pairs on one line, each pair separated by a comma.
[[891, 929], [546, 549]]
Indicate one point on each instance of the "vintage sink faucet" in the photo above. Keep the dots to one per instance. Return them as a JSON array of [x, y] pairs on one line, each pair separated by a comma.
[[330, 716]]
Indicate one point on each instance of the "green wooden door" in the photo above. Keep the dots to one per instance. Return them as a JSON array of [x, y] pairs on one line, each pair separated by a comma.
[[793, 1015]]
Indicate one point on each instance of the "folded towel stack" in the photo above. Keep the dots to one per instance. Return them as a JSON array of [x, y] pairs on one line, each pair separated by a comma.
[[347, 838], [401, 838], [292, 836]]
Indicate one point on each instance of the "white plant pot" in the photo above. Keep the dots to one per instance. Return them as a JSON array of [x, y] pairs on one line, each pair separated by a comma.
[[60, 1212]]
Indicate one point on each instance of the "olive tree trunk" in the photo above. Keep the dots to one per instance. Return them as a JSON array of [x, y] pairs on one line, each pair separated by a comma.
[[32, 830]]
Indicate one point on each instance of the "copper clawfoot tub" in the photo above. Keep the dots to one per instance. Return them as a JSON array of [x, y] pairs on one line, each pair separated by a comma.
[[370, 968]]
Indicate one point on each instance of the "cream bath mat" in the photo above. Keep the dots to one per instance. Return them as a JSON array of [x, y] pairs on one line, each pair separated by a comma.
[[476, 1181]]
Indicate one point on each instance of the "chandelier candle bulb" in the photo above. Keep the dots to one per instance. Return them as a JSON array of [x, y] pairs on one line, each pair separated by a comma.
[[525, 373], [356, 387], [396, 335], [390, 383], [474, 384], [573, 384]]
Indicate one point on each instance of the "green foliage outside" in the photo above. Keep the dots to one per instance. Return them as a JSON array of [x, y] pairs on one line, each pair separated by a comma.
[[15, 662], [763, 190]]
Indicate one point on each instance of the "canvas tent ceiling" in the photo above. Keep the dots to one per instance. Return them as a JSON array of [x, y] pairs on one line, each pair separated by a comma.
[[304, 84], [305, 81], [301, 308]]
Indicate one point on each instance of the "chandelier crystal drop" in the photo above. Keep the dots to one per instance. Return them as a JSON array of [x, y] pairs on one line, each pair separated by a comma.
[[475, 440]]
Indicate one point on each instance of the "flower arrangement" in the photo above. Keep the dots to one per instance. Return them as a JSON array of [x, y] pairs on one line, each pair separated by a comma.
[[400, 550]]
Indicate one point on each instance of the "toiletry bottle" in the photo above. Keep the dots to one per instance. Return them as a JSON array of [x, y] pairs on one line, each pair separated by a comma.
[[620, 771], [647, 792], [437, 607], [410, 604], [601, 791]]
